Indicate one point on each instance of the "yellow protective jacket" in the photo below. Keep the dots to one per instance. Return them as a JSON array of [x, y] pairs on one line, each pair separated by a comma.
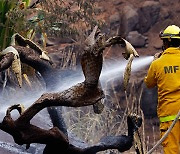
[[165, 74]]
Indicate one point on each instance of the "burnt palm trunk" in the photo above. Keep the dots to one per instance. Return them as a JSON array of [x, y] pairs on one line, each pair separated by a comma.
[[51, 77], [49, 74]]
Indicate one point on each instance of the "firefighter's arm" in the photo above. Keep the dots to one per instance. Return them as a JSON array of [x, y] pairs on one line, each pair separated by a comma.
[[157, 55], [150, 79]]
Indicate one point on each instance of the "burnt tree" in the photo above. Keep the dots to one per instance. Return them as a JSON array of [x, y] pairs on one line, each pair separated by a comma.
[[56, 141], [88, 92]]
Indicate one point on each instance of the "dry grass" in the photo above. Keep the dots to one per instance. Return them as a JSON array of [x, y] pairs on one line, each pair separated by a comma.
[[90, 127]]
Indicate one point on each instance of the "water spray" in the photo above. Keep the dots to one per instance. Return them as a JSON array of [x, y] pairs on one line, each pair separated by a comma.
[[113, 70]]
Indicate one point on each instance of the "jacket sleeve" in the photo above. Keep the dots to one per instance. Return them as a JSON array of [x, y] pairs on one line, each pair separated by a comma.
[[151, 80]]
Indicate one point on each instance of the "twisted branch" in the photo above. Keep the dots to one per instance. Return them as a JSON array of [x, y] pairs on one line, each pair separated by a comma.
[[86, 93]]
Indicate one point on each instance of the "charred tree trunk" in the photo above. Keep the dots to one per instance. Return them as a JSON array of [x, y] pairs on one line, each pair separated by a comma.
[[25, 133], [50, 76], [86, 93]]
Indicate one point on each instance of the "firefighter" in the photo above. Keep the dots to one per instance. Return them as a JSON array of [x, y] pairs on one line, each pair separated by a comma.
[[164, 72]]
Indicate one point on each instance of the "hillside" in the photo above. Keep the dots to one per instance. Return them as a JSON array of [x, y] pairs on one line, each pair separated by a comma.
[[148, 18]]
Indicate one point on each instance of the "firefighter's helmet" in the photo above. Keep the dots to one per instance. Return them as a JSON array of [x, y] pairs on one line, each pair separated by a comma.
[[171, 31]]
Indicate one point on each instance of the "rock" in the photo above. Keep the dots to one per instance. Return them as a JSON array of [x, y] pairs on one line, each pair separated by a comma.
[[149, 102], [117, 2], [149, 14], [114, 21], [130, 20], [164, 14], [158, 44], [136, 39], [114, 18]]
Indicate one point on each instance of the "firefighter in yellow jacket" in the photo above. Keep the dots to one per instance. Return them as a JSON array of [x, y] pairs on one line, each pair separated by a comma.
[[164, 72]]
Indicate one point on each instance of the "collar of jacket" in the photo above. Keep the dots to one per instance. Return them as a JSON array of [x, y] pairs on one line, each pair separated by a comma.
[[172, 50]]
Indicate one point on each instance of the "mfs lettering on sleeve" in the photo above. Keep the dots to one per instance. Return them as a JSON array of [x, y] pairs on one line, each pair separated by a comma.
[[171, 69]]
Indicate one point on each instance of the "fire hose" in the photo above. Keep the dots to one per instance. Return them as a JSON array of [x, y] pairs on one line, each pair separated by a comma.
[[166, 134]]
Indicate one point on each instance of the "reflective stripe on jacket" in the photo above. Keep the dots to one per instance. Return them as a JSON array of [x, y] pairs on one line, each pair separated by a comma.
[[165, 74], [168, 118]]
